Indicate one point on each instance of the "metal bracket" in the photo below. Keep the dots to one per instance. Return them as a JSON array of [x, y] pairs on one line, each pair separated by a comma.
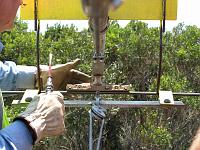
[[166, 98], [27, 97]]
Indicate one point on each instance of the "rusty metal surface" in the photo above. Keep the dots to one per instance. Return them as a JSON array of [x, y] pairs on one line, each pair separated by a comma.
[[87, 87]]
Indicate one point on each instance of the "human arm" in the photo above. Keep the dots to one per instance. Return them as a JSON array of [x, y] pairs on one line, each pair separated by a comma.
[[196, 142], [16, 137], [15, 77]]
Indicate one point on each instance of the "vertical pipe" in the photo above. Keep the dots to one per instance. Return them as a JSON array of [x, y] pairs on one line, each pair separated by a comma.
[[97, 36]]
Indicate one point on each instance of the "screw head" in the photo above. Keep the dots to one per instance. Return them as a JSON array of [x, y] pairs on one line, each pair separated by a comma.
[[167, 101]]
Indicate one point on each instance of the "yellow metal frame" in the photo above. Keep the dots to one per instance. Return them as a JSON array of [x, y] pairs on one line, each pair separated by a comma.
[[72, 10]]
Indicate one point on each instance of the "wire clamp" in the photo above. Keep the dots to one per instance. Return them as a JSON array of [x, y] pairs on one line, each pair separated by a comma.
[[98, 113]]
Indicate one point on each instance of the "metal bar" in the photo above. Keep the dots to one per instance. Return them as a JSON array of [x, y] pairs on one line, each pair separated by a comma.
[[35, 14], [162, 30], [127, 92], [38, 56], [107, 92], [164, 15], [121, 104], [37, 29], [160, 59]]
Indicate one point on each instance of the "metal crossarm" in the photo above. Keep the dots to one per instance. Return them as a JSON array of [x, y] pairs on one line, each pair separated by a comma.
[[120, 104], [188, 94]]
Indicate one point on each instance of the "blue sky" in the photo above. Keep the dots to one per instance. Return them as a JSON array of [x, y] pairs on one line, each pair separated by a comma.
[[188, 12]]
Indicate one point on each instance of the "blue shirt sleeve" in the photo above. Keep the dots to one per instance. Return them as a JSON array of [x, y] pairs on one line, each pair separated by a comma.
[[16, 137], [13, 77]]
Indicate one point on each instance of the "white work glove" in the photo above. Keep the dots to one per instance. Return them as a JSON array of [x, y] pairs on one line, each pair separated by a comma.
[[44, 116], [63, 74]]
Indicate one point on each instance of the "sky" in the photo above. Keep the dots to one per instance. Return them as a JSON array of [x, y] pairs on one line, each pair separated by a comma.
[[188, 12]]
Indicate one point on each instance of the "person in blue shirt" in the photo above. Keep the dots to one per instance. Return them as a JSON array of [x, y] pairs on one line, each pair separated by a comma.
[[44, 116]]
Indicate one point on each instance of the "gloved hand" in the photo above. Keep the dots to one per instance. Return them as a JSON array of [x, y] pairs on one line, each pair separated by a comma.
[[8, 10], [44, 116], [63, 74]]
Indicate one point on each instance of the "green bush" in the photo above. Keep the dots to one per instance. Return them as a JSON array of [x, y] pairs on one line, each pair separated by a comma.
[[132, 55]]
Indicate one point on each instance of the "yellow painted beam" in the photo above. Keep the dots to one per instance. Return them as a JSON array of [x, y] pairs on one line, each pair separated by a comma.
[[72, 10]]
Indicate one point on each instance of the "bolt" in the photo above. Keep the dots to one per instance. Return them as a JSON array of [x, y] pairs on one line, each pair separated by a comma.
[[167, 101], [28, 99]]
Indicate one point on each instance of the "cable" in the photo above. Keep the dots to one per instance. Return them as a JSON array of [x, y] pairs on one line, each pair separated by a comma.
[[98, 113], [100, 134], [90, 132]]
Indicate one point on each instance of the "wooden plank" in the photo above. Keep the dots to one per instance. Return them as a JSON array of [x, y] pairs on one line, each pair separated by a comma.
[[72, 10]]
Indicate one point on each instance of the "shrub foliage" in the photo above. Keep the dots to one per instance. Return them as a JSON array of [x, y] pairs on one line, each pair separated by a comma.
[[132, 55]]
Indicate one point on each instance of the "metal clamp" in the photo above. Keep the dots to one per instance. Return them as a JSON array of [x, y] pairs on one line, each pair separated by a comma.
[[166, 98], [27, 97], [98, 113]]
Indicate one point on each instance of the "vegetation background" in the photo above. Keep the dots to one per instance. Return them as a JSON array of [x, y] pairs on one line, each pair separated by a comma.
[[132, 56]]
